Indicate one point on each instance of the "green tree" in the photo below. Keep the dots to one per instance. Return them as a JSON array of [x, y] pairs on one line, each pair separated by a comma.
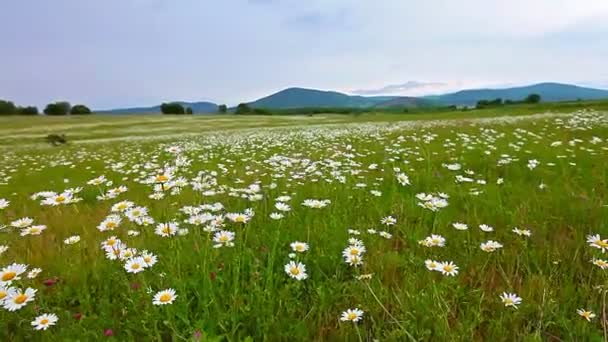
[[189, 111], [532, 98], [58, 108], [243, 108], [29, 110], [222, 108], [7, 108], [80, 110], [172, 108]]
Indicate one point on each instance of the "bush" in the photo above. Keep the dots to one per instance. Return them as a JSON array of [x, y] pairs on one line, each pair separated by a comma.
[[222, 108], [243, 108], [172, 108], [189, 111], [7, 108], [58, 108], [30, 110], [80, 110], [532, 98]]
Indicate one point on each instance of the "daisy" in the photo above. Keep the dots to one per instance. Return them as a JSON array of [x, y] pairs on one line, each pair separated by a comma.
[[135, 265], [33, 230], [110, 243], [522, 232], [352, 315], [354, 260], [44, 321], [164, 297], [11, 272], [4, 203], [223, 238], [588, 315], [433, 241], [122, 206], [166, 229], [603, 264], [403, 179], [490, 246], [16, 298], [597, 242], [148, 258], [386, 235], [299, 247], [276, 216], [22, 222], [431, 265], [296, 270], [72, 240], [460, 226], [316, 204], [34, 273], [388, 221], [486, 228], [3, 249], [448, 268], [510, 299], [3, 293], [64, 198], [282, 206], [354, 250], [110, 223], [238, 217]]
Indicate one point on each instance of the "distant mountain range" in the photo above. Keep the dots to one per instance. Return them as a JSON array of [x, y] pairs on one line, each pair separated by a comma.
[[305, 98]]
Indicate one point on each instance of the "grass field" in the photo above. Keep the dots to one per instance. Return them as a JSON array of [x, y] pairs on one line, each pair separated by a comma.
[[269, 228]]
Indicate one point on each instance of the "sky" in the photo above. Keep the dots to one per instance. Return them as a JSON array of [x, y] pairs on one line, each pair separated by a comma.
[[122, 53]]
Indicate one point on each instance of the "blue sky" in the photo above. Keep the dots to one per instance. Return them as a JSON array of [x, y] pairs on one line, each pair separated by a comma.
[[118, 53]]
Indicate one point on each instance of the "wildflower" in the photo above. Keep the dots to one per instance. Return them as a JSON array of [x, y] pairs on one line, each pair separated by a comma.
[[11, 272], [433, 241], [403, 179], [71, 240], [110, 223], [432, 265], [510, 299], [4, 203], [588, 315], [166, 229], [490, 246], [135, 265], [299, 247], [148, 258], [486, 228], [164, 297], [603, 264], [22, 222], [447, 268], [282, 206], [352, 315], [223, 238], [34, 273], [238, 217], [276, 216], [296, 270], [597, 242], [386, 235], [460, 226], [44, 321], [522, 232], [388, 221], [17, 299], [316, 204]]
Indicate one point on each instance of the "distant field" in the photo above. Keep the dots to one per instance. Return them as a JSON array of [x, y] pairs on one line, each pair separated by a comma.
[[455, 226], [19, 130]]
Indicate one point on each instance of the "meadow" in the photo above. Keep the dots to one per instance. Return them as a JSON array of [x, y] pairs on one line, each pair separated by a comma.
[[459, 226]]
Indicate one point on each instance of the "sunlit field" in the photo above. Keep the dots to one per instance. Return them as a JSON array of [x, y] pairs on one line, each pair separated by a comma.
[[325, 228]]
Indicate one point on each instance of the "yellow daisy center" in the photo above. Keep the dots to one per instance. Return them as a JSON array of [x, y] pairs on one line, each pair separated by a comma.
[[60, 199], [295, 271], [44, 321], [161, 178], [111, 225], [8, 275], [352, 316], [20, 299], [2, 294], [135, 266], [165, 297]]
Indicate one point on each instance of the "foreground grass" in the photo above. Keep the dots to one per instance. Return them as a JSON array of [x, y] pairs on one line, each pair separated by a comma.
[[240, 292]]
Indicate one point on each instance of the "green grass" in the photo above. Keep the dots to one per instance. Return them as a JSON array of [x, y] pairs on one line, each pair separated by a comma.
[[239, 293]]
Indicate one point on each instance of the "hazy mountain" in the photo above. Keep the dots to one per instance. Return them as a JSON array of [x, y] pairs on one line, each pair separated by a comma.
[[197, 108], [301, 98], [548, 92]]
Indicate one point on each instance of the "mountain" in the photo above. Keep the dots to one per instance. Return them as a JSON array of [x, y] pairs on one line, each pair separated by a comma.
[[548, 91], [302, 98], [197, 108]]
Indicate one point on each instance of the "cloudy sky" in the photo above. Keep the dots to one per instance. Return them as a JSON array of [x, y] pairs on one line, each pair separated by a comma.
[[117, 53]]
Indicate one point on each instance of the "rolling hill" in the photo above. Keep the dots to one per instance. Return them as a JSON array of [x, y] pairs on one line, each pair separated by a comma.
[[302, 98], [549, 92]]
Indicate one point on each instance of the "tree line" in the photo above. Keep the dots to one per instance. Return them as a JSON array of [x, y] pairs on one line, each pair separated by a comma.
[[55, 108], [530, 99]]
